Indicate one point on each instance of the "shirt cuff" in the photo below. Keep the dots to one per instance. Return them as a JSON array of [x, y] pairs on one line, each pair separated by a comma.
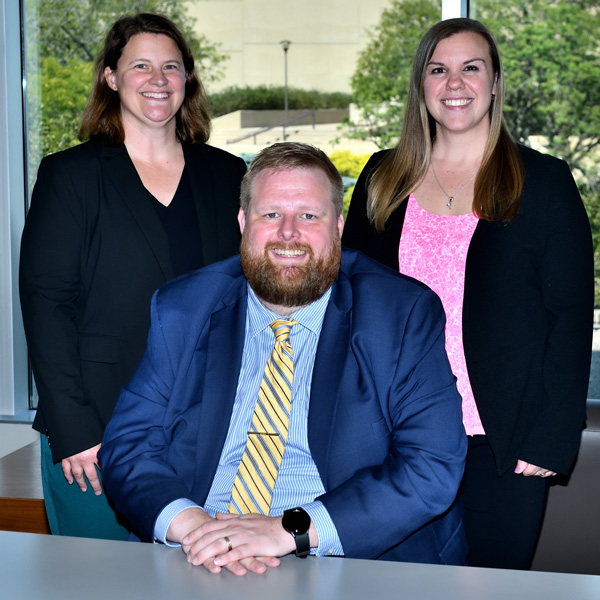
[[166, 515], [329, 541]]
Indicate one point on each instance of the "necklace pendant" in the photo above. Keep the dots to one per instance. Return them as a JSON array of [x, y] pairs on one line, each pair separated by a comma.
[[451, 198]]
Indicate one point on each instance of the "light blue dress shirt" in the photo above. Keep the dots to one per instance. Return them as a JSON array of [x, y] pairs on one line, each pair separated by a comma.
[[298, 482]]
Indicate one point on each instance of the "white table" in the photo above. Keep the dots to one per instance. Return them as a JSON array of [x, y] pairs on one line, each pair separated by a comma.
[[60, 568]]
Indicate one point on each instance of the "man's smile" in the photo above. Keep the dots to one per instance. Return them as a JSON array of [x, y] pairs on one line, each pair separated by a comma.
[[288, 253]]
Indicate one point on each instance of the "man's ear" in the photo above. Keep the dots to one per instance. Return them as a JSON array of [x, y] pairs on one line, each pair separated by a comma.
[[241, 219]]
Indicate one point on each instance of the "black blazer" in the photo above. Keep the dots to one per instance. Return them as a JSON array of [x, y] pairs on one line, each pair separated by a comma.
[[93, 252], [527, 312]]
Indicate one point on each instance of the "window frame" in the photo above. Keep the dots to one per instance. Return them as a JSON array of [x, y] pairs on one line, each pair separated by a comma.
[[14, 378], [15, 384]]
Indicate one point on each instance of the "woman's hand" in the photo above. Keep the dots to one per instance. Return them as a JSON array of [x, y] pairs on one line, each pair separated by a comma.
[[82, 465], [529, 470]]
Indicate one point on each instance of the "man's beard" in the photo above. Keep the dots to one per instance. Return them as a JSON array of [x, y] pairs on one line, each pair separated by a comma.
[[292, 286]]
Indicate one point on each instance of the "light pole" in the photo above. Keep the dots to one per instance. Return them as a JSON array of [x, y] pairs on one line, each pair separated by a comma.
[[285, 44]]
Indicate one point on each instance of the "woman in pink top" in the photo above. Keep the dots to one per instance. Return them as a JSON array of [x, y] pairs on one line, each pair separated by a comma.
[[500, 233]]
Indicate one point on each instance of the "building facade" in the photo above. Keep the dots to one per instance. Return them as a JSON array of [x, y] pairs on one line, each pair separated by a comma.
[[326, 37]]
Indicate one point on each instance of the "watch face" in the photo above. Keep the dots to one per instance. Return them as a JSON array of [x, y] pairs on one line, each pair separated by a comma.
[[296, 521]]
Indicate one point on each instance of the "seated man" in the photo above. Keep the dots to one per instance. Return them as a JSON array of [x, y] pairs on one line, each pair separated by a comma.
[[296, 398]]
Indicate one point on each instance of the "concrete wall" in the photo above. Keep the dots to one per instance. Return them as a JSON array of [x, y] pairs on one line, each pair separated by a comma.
[[326, 37], [14, 436], [264, 118]]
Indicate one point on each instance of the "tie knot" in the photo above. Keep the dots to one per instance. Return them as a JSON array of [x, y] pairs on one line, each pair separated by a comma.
[[282, 328]]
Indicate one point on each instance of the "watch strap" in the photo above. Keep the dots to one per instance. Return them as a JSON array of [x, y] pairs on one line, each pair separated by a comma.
[[302, 545], [296, 522]]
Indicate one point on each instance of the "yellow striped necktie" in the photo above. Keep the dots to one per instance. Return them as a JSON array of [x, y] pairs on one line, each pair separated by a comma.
[[257, 473]]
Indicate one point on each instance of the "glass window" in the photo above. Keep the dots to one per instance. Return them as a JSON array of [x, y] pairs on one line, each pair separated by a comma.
[[60, 39]]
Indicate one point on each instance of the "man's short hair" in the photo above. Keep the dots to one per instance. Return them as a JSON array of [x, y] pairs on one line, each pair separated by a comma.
[[293, 155]]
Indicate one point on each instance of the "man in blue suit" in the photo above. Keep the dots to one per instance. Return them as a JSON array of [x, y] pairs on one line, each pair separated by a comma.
[[373, 450]]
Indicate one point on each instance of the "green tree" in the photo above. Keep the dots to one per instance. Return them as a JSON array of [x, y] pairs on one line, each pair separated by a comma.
[[591, 198], [61, 92], [63, 39], [551, 57], [380, 82], [75, 29]]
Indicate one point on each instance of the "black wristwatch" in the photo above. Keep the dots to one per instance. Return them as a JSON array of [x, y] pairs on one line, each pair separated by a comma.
[[297, 523]]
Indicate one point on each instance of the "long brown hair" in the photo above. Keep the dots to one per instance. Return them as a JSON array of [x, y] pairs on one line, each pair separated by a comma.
[[102, 116], [499, 182]]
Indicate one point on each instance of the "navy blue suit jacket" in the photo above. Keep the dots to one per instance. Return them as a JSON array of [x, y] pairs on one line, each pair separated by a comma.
[[384, 425]]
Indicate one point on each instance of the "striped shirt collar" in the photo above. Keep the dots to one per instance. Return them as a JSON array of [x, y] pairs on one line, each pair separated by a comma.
[[310, 316]]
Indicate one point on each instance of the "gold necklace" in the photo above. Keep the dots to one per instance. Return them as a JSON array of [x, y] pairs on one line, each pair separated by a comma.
[[451, 198]]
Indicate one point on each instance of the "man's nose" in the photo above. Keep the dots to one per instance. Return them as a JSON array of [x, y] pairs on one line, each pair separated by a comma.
[[288, 229]]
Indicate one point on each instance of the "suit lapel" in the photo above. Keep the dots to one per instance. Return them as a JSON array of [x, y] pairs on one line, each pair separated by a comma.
[[330, 360], [203, 191], [225, 344], [126, 181]]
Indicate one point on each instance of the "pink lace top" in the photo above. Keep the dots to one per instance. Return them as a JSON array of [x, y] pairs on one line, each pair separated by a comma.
[[433, 249]]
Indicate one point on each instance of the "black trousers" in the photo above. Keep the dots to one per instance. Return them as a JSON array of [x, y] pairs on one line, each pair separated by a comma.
[[503, 514]]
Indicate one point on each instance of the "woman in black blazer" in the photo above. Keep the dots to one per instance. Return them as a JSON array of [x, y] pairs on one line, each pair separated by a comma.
[[458, 201], [111, 220]]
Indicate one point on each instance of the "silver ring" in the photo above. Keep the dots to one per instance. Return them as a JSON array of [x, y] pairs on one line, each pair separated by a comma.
[[229, 546]]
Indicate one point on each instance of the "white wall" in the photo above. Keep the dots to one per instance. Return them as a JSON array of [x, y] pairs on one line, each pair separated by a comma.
[[14, 436], [326, 37]]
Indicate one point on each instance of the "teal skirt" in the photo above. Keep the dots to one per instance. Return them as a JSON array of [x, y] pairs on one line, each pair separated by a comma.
[[73, 512]]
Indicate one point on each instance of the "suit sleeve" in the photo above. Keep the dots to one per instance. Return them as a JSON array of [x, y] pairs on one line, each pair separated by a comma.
[[139, 461], [567, 284], [417, 480], [50, 289]]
